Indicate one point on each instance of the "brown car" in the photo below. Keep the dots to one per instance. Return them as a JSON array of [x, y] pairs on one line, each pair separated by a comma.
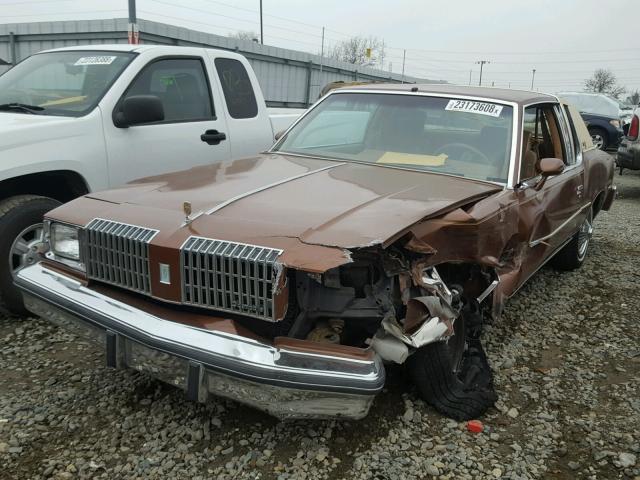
[[385, 226]]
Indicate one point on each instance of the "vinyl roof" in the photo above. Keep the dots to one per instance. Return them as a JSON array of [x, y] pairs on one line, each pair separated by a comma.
[[522, 97]]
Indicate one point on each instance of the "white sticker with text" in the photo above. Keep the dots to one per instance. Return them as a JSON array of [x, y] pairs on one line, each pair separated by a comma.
[[98, 60], [470, 106]]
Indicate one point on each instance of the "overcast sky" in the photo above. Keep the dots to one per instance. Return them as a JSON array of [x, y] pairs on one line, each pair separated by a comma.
[[564, 40]]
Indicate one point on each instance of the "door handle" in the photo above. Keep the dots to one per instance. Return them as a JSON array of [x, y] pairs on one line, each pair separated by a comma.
[[213, 137]]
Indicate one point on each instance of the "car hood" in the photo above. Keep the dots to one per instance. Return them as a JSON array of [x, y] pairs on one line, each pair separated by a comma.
[[20, 129], [316, 201]]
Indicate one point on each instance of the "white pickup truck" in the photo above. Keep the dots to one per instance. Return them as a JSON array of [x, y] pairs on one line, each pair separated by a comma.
[[79, 119]]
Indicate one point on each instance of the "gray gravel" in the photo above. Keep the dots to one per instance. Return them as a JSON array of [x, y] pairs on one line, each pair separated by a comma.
[[566, 357]]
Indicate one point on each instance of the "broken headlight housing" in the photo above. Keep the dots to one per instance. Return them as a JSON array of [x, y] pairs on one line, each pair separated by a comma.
[[64, 244]]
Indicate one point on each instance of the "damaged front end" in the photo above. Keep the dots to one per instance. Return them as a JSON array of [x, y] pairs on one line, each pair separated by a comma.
[[392, 301]]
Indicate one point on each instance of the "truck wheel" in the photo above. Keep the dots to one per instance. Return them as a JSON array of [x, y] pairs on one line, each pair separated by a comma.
[[572, 255], [20, 232], [455, 376], [599, 138]]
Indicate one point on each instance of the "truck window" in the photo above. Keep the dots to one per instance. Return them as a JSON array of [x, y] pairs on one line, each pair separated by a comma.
[[237, 88], [181, 84]]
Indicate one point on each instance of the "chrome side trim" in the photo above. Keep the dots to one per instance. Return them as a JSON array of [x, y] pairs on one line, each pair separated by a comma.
[[281, 378], [487, 291], [534, 243], [226, 203]]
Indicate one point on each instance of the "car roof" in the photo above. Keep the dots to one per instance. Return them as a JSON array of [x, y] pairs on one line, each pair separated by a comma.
[[522, 97]]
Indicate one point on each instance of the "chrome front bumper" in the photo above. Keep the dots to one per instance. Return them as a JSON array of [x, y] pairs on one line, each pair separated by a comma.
[[286, 383]]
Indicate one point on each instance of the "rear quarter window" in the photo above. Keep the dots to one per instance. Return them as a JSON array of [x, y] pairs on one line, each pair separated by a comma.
[[237, 88]]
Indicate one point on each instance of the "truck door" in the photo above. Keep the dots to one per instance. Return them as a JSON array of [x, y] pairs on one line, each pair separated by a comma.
[[192, 133]]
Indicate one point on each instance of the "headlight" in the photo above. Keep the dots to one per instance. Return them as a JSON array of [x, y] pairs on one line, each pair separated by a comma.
[[615, 123], [63, 240]]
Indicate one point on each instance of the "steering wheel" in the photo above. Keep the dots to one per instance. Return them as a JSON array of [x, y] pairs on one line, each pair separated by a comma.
[[463, 146]]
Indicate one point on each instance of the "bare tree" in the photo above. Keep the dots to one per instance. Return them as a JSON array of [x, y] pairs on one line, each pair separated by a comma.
[[634, 98], [604, 81], [354, 50], [245, 35]]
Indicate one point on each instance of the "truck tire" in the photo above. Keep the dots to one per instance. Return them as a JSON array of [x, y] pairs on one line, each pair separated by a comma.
[[454, 376], [572, 255], [20, 230]]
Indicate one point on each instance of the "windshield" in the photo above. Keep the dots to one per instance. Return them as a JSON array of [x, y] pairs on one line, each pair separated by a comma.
[[446, 135], [597, 104], [62, 83]]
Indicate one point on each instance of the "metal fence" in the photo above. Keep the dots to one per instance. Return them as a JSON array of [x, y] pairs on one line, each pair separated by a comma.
[[288, 78]]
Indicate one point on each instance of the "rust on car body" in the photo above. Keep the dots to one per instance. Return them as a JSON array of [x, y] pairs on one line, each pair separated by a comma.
[[402, 245]]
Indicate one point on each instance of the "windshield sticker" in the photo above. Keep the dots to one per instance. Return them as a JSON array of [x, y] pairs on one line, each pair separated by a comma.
[[101, 60], [482, 108]]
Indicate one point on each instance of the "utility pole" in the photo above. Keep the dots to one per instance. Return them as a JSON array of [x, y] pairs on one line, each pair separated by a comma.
[[382, 56], [404, 56], [481, 63], [533, 76], [321, 54], [261, 31], [470, 70], [133, 33]]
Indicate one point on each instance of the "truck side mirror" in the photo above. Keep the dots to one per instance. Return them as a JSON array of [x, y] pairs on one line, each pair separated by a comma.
[[278, 135], [138, 109]]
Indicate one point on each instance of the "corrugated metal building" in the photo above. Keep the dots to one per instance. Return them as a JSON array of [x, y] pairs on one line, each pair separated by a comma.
[[287, 77]]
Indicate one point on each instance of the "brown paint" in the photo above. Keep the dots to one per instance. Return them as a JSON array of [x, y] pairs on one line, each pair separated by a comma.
[[318, 218]]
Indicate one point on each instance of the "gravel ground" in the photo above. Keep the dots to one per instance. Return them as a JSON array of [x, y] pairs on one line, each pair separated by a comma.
[[566, 357]]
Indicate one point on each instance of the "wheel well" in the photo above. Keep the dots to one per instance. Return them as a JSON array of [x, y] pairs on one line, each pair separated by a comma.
[[597, 204], [62, 185]]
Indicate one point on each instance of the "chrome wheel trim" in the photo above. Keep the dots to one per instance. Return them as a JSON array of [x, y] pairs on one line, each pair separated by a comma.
[[598, 140], [584, 236], [24, 249]]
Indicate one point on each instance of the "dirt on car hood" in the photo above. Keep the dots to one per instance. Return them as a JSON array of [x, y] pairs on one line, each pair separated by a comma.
[[317, 201]]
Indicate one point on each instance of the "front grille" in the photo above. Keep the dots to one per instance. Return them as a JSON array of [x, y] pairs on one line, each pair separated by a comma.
[[118, 254], [229, 276]]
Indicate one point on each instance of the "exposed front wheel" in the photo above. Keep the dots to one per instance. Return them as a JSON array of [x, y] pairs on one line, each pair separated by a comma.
[[455, 376], [20, 233], [572, 255]]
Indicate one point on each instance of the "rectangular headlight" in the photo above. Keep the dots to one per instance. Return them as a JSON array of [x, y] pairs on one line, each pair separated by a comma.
[[63, 241]]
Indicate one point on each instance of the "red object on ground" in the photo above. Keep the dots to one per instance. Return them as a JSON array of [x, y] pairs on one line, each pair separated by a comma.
[[475, 426]]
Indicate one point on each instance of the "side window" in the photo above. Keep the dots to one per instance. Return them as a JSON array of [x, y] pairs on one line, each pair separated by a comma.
[[541, 138], [181, 84], [237, 88]]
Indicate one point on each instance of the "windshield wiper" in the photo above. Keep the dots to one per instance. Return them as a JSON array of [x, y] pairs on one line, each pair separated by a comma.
[[23, 107]]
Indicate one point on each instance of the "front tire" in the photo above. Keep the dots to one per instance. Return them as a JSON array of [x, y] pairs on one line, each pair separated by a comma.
[[454, 376], [20, 232], [599, 137], [572, 255]]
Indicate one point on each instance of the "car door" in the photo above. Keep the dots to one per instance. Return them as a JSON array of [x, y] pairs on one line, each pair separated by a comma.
[[190, 101], [552, 213]]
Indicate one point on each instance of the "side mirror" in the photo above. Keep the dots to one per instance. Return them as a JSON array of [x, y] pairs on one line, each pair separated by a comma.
[[548, 167], [139, 109], [278, 135]]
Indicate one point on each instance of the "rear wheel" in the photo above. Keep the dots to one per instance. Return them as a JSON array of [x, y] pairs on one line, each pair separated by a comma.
[[572, 255], [455, 376], [599, 137], [20, 233]]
